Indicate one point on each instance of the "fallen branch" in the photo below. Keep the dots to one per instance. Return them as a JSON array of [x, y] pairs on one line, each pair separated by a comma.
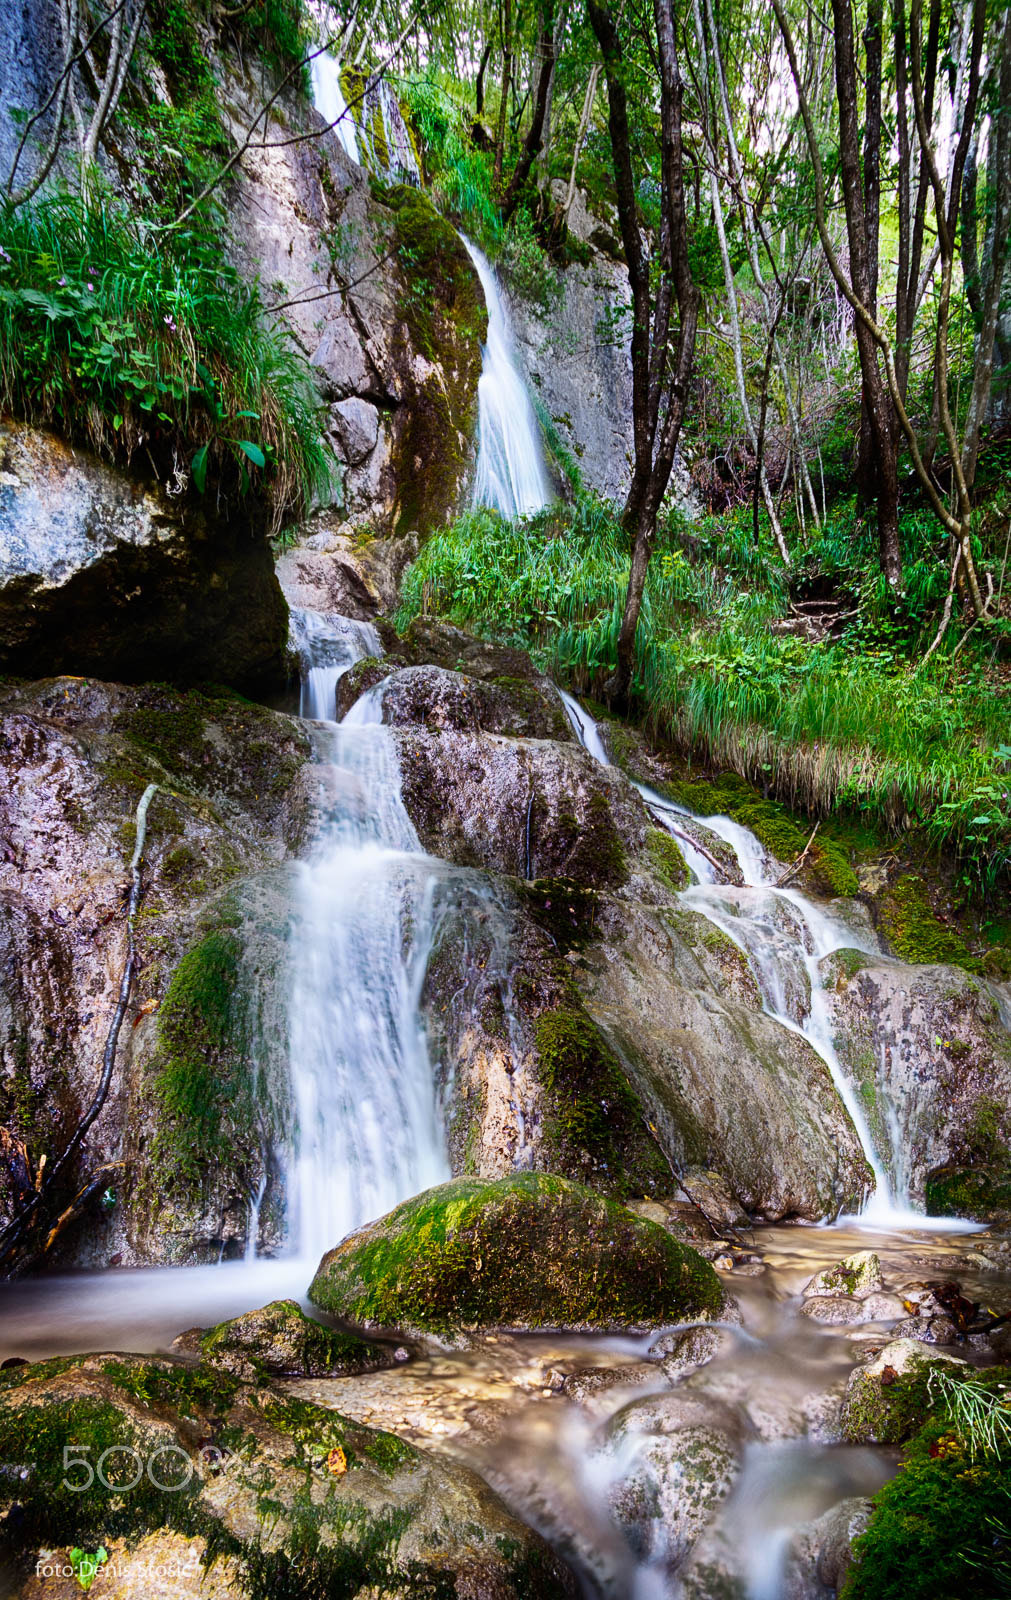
[[791, 871]]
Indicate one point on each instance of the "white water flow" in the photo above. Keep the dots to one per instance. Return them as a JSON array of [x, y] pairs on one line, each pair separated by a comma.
[[785, 937], [368, 1133], [327, 94], [511, 476]]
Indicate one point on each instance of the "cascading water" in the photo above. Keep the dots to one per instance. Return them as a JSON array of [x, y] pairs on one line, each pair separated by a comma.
[[368, 1130], [511, 476], [785, 937], [327, 92]]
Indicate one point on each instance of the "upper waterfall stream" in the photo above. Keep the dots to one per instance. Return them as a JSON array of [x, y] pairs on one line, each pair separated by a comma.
[[511, 476]]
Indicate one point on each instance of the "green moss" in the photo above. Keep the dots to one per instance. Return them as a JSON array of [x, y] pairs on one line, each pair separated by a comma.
[[281, 1339], [442, 309], [941, 1529], [782, 833], [189, 1391], [204, 1080], [529, 1250], [317, 1429], [981, 1194], [563, 909], [915, 933], [667, 858], [887, 1410]]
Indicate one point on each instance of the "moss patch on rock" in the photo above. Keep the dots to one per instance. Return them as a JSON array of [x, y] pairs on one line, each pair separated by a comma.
[[668, 862], [781, 832], [280, 1339], [591, 1113], [980, 1193], [915, 933], [942, 1526], [445, 322], [527, 1251], [563, 909]]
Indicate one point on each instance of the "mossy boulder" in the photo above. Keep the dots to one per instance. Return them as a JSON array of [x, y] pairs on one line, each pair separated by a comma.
[[889, 1398], [280, 1339], [279, 1495], [858, 1275], [527, 1251], [915, 933]]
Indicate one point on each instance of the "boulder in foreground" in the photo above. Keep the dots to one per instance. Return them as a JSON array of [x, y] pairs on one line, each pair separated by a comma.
[[527, 1251]]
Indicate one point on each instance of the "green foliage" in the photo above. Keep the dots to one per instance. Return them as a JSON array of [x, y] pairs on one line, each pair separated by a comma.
[[941, 1529], [914, 932], [85, 1564], [126, 339], [824, 725], [460, 174]]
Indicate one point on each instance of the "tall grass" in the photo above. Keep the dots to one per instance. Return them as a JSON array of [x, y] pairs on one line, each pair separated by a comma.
[[824, 725], [127, 343]]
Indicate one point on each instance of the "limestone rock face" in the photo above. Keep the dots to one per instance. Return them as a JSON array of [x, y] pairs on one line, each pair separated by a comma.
[[205, 1013], [528, 1251], [432, 697], [390, 1519], [105, 575], [930, 1048]]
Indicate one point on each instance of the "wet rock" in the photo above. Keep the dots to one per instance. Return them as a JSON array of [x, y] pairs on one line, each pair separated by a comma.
[[858, 1275], [711, 1193], [281, 1340], [821, 1552], [434, 698], [727, 1087], [389, 1518], [682, 1350], [590, 1383], [883, 1308], [521, 806], [75, 758], [840, 1310], [104, 574], [527, 1251], [928, 1330], [887, 1400], [927, 1044], [682, 1459]]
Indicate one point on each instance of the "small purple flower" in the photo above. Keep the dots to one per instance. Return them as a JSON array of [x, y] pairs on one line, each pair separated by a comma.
[[91, 287], [62, 284], [170, 323]]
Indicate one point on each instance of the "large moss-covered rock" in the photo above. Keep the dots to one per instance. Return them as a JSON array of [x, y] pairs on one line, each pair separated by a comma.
[[196, 1103], [929, 1051], [103, 573], [528, 1251], [889, 1398], [278, 1495]]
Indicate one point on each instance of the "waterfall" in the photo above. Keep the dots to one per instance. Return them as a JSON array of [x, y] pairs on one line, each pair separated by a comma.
[[368, 1133], [327, 93], [785, 938], [511, 476]]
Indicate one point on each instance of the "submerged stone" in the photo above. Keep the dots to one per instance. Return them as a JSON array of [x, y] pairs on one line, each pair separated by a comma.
[[527, 1251], [858, 1275]]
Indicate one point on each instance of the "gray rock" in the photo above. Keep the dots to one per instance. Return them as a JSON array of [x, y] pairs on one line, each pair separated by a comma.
[[821, 1552], [683, 1350], [104, 575], [75, 757], [877, 1406], [684, 1459], [356, 425], [858, 1275], [929, 1043], [431, 697]]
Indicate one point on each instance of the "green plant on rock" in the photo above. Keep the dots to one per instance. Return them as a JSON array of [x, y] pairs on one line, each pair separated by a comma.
[[130, 340]]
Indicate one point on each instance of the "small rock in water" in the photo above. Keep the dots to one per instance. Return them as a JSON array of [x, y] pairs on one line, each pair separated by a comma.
[[857, 1275], [400, 1354], [834, 1310], [553, 1379]]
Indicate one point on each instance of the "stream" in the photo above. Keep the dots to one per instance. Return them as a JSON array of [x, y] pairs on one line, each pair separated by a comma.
[[548, 1420]]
